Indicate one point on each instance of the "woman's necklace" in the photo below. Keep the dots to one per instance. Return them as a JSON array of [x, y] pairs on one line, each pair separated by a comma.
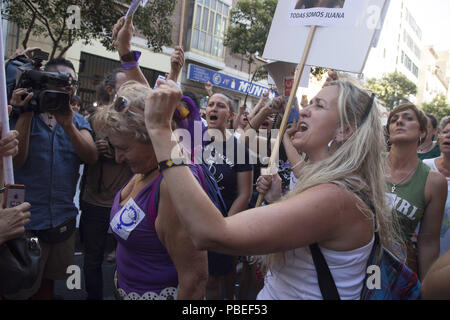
[[427, 148], [147, 174], [394, 185]]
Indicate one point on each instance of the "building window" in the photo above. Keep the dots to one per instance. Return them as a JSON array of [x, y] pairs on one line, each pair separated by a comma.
[[415, 70], [413, 24], [407, 62], [411, 44], [208, 30]]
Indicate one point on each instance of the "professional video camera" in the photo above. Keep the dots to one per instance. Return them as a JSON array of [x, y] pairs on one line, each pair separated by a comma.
[[47, 87]]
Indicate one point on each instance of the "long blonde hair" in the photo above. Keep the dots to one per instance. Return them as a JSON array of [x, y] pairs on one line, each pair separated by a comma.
[[357, 165]]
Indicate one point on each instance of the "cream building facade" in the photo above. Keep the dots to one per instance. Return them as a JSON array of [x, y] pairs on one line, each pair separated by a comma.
[[199, 25]]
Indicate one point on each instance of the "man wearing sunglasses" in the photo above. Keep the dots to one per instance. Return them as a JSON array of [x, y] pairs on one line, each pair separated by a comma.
[[51, 149]]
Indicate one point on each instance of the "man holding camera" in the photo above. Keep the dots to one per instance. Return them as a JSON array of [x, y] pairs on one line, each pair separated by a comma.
[[52, 146]]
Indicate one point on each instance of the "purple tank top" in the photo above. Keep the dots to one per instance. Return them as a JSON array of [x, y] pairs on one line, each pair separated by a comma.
[[143, 263]]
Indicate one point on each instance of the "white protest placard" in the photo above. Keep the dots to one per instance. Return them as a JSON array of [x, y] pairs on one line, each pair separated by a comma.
[[318, 13], [342, 47], [380, 23], [283, 73]]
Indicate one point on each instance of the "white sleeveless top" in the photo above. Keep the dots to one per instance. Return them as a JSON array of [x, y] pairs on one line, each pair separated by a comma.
[[297, 279]]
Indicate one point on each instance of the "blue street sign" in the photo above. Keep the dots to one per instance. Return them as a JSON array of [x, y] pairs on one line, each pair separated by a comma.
[[200, 74]]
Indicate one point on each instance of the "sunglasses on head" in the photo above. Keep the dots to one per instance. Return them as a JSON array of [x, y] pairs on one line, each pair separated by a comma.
[[122, 104]]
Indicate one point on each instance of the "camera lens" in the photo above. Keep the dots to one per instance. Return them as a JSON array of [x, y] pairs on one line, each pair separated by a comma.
[[55, 101]]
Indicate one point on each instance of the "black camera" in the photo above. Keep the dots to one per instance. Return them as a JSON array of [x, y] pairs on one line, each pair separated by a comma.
[[47, 87]]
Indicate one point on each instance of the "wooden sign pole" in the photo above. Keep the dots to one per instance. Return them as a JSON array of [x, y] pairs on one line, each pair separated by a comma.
[[298, 76], [183, 13]]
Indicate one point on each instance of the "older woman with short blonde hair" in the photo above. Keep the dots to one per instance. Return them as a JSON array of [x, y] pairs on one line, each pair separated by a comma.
[[155, 256]]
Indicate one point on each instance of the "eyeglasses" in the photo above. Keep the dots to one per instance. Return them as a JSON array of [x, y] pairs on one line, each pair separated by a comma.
[[122, 104]]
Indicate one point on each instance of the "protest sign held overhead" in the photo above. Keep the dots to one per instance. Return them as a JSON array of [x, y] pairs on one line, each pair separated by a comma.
[[317, 12], [344, 46]]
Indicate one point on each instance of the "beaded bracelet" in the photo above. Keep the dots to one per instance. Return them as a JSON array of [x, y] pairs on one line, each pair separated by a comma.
[[166, 164]]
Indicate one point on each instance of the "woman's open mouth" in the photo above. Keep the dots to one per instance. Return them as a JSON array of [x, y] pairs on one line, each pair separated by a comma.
[[303, 127]]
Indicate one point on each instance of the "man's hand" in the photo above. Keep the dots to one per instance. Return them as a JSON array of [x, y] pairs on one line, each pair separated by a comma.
[[65, 120], [278, 105], [305, 101], [28, 52], [209, 88], [13, 220], [176, 63], [9, 145], [122, 32], [332, 76], [103, 148], [20, 97]]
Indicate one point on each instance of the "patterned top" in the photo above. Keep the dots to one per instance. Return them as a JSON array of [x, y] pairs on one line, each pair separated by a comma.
[[408, 200], [144, 267]]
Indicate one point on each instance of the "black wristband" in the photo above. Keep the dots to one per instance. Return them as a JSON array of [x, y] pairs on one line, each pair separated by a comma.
[[166, 164]]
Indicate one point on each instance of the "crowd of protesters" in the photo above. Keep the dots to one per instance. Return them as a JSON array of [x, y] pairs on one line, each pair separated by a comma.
[[336, 183]]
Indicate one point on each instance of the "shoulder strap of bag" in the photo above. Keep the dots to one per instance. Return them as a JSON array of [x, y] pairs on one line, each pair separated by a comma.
[[326, 282]]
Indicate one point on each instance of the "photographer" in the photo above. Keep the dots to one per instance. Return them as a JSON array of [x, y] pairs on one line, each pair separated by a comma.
[[51, 149]]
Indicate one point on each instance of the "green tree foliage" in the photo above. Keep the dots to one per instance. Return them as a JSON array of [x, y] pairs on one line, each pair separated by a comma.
[[249, 28], [392, 88], [48, 18], [439, 107]]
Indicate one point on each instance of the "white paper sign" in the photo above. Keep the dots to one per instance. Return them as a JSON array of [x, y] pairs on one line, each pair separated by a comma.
[[344, 47], [127, 219], [318, 12], [381, 23]]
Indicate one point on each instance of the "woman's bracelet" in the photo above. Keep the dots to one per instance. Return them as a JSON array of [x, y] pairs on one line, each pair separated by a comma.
[[166, 164]]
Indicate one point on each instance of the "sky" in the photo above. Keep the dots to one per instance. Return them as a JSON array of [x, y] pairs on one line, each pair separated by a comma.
[[433, 17]]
